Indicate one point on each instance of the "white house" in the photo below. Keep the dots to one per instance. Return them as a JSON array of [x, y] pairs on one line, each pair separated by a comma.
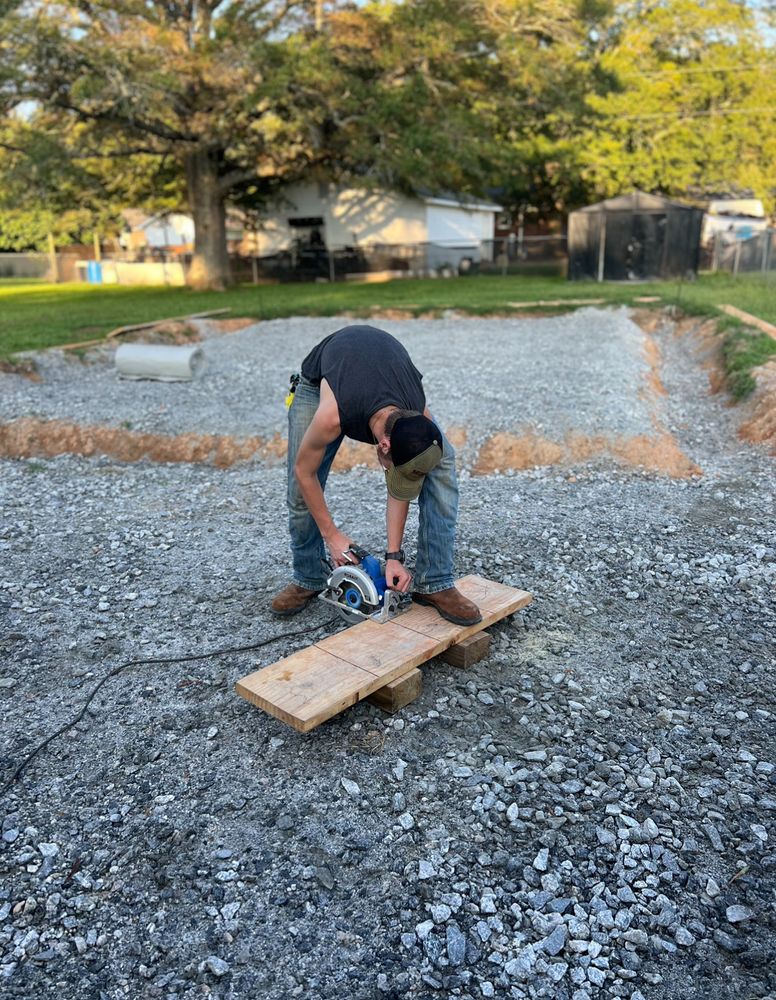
[[162, 231], [335, 216]]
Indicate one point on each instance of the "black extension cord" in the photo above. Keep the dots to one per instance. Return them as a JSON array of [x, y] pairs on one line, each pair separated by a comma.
[[20, 768]]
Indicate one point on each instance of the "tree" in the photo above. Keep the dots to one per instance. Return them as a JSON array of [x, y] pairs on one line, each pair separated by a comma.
[[687, 103], [236, 99], [543, 49]]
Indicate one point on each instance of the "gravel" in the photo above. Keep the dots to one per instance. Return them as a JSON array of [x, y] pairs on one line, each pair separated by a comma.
[[247, 378], [600, 825]]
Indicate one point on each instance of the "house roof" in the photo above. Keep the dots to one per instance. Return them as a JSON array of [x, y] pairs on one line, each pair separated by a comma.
[[448, 199], [636, 201], [752, 207]]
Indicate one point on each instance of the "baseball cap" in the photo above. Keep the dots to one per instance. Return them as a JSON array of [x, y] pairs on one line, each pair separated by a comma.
[[416, 448]]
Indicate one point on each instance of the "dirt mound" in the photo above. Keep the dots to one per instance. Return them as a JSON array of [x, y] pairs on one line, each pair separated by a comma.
[[27, 369], [233, 324], [656, 453], [33, 438], [167, 332], [30, 437], [760, 427]]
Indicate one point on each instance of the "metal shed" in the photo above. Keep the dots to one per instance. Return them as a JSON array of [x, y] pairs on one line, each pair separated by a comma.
[[634, 237]]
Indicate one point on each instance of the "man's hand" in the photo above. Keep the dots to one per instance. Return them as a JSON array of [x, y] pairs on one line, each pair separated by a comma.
[[397, 576], [337, 542]]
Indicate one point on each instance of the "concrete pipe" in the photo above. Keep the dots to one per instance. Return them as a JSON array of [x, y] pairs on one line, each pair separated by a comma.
[[161, 362]]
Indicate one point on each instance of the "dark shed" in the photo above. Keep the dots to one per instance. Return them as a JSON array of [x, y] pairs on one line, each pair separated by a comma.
[[634, 237]]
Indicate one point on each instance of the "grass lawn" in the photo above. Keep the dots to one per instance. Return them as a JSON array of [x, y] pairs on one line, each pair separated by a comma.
[[34, 315]]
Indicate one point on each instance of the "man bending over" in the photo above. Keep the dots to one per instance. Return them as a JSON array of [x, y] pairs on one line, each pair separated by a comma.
[[360, 383]]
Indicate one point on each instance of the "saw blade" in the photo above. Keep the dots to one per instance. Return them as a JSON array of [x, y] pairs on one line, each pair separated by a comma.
[[354, 604]]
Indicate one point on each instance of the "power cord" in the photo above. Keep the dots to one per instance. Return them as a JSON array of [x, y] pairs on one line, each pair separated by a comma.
[[136, 663]]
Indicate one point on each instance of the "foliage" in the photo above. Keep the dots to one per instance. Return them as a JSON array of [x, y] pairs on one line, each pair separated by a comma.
[[685, 104], [743, 351], [236, 99]]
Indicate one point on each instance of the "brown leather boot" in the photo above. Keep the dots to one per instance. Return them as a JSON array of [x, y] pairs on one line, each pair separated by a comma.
[[291, 600], [452, 605]]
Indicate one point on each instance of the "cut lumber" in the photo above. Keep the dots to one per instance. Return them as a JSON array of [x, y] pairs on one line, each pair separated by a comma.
[[308, 687], [398, 693], [556, 302], [111, 335], [751, 320], [467, 652]]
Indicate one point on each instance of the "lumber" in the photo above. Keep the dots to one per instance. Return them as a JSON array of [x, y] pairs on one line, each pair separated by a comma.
[[316, 683], [556, 302], [751, 320], [112, 334], [467, 652], [398, 693]]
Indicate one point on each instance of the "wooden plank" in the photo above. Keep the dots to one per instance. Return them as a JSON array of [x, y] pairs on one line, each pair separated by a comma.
[[556, 302], [316, 683], [385, 650], [467, 652], [399, 693], [746, 317], [307, 687]]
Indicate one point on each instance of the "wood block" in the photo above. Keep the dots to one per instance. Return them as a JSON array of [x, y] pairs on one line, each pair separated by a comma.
[[467, 652], [398, 693], [316, 683]]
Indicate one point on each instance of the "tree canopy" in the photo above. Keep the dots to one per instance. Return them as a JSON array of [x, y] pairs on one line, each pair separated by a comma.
[[198, 104]]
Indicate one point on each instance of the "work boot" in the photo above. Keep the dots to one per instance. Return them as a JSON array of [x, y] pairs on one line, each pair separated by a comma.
[[292, 600], [452, 605]]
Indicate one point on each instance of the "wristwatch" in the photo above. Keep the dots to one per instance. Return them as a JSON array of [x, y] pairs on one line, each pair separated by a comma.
[[398, 556]]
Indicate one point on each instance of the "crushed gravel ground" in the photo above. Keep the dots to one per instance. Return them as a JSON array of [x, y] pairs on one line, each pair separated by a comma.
[[483, 375], [587, 813]]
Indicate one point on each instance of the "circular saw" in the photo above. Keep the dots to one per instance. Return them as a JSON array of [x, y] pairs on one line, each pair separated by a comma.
[[359, 591]]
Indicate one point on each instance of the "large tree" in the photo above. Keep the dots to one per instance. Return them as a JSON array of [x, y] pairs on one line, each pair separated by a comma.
[[685, 104], [237, 98], [544, 49]]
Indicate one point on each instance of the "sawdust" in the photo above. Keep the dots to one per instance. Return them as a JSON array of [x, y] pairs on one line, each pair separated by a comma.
[[657, 453], [650, 320], [760, 427]]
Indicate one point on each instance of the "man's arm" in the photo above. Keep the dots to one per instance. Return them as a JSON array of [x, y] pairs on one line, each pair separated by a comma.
[[324, 428], [396, 574]]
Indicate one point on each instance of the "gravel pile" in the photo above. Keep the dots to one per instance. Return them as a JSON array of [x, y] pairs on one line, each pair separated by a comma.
[[590, 812], [513, 369]]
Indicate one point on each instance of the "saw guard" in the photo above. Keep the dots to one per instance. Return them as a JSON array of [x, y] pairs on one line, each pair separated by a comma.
[[344, 578]]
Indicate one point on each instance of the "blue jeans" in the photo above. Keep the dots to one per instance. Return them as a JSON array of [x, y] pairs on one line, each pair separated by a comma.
[[438, 509]]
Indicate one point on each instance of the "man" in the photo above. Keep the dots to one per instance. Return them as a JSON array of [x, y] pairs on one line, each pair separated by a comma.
[[361, 383]]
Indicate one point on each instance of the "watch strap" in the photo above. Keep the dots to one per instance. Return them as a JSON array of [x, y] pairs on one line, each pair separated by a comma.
[[398, 556]]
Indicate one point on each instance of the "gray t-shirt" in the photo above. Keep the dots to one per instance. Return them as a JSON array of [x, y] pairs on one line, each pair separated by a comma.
[[366, 369]]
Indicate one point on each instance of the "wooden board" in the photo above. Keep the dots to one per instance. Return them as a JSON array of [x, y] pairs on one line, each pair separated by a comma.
[[310, 686], [394, 696], [746, 317], [467, 652]]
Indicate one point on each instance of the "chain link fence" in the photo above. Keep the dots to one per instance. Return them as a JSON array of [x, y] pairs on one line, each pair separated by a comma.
[[749, 256], [508, 255]]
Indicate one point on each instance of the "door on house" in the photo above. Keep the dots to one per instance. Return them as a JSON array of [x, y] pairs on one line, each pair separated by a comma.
[[308, 247]]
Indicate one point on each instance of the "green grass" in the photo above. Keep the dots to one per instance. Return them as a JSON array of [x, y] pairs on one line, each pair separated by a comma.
[[35, 315], [741, 352]]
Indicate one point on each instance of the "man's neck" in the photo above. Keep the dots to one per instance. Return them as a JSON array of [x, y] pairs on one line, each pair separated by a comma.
[[377, 421]]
